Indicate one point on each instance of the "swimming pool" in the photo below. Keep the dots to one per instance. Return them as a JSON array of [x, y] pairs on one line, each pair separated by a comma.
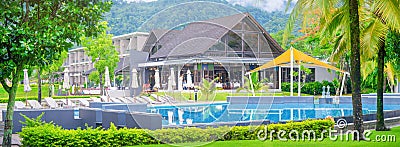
[[225, 112]]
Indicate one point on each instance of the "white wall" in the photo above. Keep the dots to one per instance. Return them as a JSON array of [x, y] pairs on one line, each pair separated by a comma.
[[323, 74]]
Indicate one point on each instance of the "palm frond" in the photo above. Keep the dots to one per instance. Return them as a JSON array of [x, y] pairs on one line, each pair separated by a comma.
[[389, 12], [372, 37]]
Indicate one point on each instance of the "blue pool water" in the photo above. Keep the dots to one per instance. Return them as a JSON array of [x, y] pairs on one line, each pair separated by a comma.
[[225, 112]]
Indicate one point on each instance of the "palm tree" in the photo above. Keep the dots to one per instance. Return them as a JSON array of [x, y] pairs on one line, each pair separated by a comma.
[[377, 17], [381, 16], [207, 88], [338, 19], [254, 84]]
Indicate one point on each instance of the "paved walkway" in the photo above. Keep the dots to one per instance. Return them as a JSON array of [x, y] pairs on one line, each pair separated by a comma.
[[16, 141]]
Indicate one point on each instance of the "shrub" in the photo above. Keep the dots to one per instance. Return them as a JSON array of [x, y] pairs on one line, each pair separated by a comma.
[[49, 134], [311, 87]]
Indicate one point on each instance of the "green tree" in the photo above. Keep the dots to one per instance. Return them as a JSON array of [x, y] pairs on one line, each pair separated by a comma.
[[207, 88], [37, 32], [256, 86], [338, 19], [103, 54]]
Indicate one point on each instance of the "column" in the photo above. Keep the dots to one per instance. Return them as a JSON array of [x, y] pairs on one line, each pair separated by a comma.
[[280, 78]]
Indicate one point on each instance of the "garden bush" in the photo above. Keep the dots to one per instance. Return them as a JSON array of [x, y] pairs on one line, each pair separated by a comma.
[[49, 134], [311, 87]]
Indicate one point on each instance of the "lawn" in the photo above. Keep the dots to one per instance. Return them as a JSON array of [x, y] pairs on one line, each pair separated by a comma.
[[219, 96], [21, 93], [325, 143]]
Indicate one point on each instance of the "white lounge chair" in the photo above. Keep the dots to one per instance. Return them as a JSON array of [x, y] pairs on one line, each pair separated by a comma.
[[115, 100], [51, 102], [125, 100], [104, 98], [19, 105], [84, 102], [150, 101], [34, 104], [139, 100], [70, 103], [95, 99]]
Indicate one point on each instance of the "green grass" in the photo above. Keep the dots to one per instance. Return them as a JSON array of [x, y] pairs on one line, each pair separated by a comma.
[[21, 93], [325, 143], [219, 96]]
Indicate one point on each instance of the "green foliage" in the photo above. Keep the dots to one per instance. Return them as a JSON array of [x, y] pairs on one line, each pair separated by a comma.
[[257, 85], [50, 135], [103, 53], [122, 20], [33, 122], [94, 77], [311, 87], [207, 88]]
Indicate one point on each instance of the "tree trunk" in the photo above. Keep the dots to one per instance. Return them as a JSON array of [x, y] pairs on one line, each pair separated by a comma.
[[380, 122], [355, 73], [39, 86], [8, 125], [101, 83], [51, 83]]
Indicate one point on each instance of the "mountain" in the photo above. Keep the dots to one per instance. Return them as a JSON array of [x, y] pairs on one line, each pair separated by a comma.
[[126, 17]]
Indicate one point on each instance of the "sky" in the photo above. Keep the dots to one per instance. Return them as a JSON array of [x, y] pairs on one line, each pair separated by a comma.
[[267, 5]]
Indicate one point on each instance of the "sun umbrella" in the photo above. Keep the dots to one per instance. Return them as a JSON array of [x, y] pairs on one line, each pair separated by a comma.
[[107, 82], [134, 81], [66, 82], [170, 83], [66, 79], [157, 79], [189, 79], [27, 88], [180, 81], [173, 77]]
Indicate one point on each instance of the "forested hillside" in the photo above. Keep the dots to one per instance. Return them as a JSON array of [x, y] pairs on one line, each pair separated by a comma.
[[168, 14]]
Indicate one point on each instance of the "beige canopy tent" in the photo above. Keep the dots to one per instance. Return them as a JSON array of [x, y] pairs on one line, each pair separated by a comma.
[[291, 57]]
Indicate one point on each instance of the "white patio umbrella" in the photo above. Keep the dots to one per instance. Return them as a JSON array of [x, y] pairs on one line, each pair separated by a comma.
[[180, 83], [170, 83], [66, 79], [189, 79], [66, 85], [157, 79], [134, 80], [173, 77], [27, 88], [107, 82]]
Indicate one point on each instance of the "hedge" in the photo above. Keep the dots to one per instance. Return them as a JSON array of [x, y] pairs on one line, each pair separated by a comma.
[[5, 100], [48, 134], [311, 87]]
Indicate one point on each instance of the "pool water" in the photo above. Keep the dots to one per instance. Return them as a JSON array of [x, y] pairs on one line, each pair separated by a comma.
[[225, 112]]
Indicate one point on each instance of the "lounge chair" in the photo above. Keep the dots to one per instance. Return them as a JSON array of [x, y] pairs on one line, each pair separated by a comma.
[[70, 103], [95, 99], [104, 98], [139, 100], [150, 101], [35, 104], [83, 102], [19, 105], [51, 102], [115, 100], [125, 100]]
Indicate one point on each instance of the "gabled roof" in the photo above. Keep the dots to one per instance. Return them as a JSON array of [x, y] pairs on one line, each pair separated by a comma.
[[197, 37]]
